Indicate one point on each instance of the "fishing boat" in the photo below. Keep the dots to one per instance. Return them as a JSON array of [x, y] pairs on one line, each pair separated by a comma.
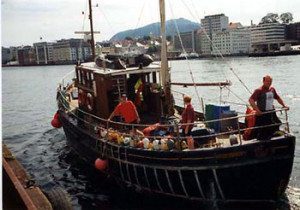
[[211, 166]]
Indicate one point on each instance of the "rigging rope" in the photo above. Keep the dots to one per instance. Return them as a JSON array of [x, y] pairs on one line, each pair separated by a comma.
[[198, 18], [140, 16], [107, 20], [189, 66], [218, 51], [82, 29]]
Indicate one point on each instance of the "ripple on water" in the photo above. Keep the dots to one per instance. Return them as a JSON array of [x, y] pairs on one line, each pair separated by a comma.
[[44, 153]]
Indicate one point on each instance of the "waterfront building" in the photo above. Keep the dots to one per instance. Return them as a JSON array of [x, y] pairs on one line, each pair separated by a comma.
[[26, 56], [188, 41], [234, 41], [214, 23], [71, 51], [293, 32], [267, 37], [40, 52], [211, 24], [205, 43], [5, 55], [198, 41], [13, 53], [50, 52]]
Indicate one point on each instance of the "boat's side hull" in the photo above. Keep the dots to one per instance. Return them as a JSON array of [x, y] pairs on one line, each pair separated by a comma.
[[257, 171]]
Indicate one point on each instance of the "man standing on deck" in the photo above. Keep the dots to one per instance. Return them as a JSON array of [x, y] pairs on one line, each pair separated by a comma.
[[262, 101], [127, 110]]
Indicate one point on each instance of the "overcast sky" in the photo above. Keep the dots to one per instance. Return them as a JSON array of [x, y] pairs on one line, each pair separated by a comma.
[[23, 22]]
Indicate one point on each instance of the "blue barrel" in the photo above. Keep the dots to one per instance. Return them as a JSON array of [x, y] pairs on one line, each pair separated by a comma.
[[209, 114], [214, 112]]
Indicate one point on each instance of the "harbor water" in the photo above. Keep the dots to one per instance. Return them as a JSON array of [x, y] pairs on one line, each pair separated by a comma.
[[28, 106]]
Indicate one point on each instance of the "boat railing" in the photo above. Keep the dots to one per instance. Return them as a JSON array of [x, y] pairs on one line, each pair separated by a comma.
[[95, 124], [67, 80]]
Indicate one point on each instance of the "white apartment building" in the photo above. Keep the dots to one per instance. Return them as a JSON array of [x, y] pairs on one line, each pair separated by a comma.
[[50, 51], [211, 24], [70, 51], [267, 37], [13, 53], [267, 33], [214, 23], [205, 43], [231, 42], [61, 51], [40, 49]]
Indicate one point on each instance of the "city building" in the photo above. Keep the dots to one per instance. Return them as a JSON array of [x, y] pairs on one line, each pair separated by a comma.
[[13, 53], [235, 41], [70, 51], [40, 52], [188, 40], [267, 37], [293, 32], [26, 56], [5, 55], [205, 43], [211, 24], [50, 52], [214, 23]]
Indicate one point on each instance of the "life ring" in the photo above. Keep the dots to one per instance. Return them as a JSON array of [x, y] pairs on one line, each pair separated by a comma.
[[90, 102], [81, 97]]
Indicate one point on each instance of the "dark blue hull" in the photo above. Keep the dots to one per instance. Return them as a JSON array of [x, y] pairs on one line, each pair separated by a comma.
[[257, 171]]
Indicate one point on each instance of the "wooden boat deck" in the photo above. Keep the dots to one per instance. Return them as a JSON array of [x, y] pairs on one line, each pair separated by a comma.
[[18, 190]]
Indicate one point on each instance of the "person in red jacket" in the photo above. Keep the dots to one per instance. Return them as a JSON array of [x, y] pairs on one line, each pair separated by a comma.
[[262, 102], [127, 110], [187, 116]]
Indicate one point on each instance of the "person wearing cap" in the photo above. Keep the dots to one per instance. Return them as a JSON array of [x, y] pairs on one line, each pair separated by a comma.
[[262, 102], [127, 110]]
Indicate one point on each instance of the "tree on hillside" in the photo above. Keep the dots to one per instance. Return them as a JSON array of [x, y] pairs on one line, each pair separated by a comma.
[[146, 38], [128, 38], [169, 38], [286, 17], [270, 18]]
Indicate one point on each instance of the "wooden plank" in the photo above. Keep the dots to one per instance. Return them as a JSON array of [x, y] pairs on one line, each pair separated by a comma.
[[185, 84], [32, 197]]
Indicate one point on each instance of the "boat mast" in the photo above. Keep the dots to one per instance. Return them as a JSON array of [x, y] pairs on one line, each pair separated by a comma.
[[165, 74], [92, 41]]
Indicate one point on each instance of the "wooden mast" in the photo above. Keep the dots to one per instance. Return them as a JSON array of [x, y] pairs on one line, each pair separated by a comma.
[[165, 74], [92, 30]]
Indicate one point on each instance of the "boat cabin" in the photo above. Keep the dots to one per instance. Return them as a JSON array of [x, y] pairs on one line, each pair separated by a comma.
[[99, 90]]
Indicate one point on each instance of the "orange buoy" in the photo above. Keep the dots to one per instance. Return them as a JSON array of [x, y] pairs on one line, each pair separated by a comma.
[[100, 164], [56, 116], [55, 121]]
